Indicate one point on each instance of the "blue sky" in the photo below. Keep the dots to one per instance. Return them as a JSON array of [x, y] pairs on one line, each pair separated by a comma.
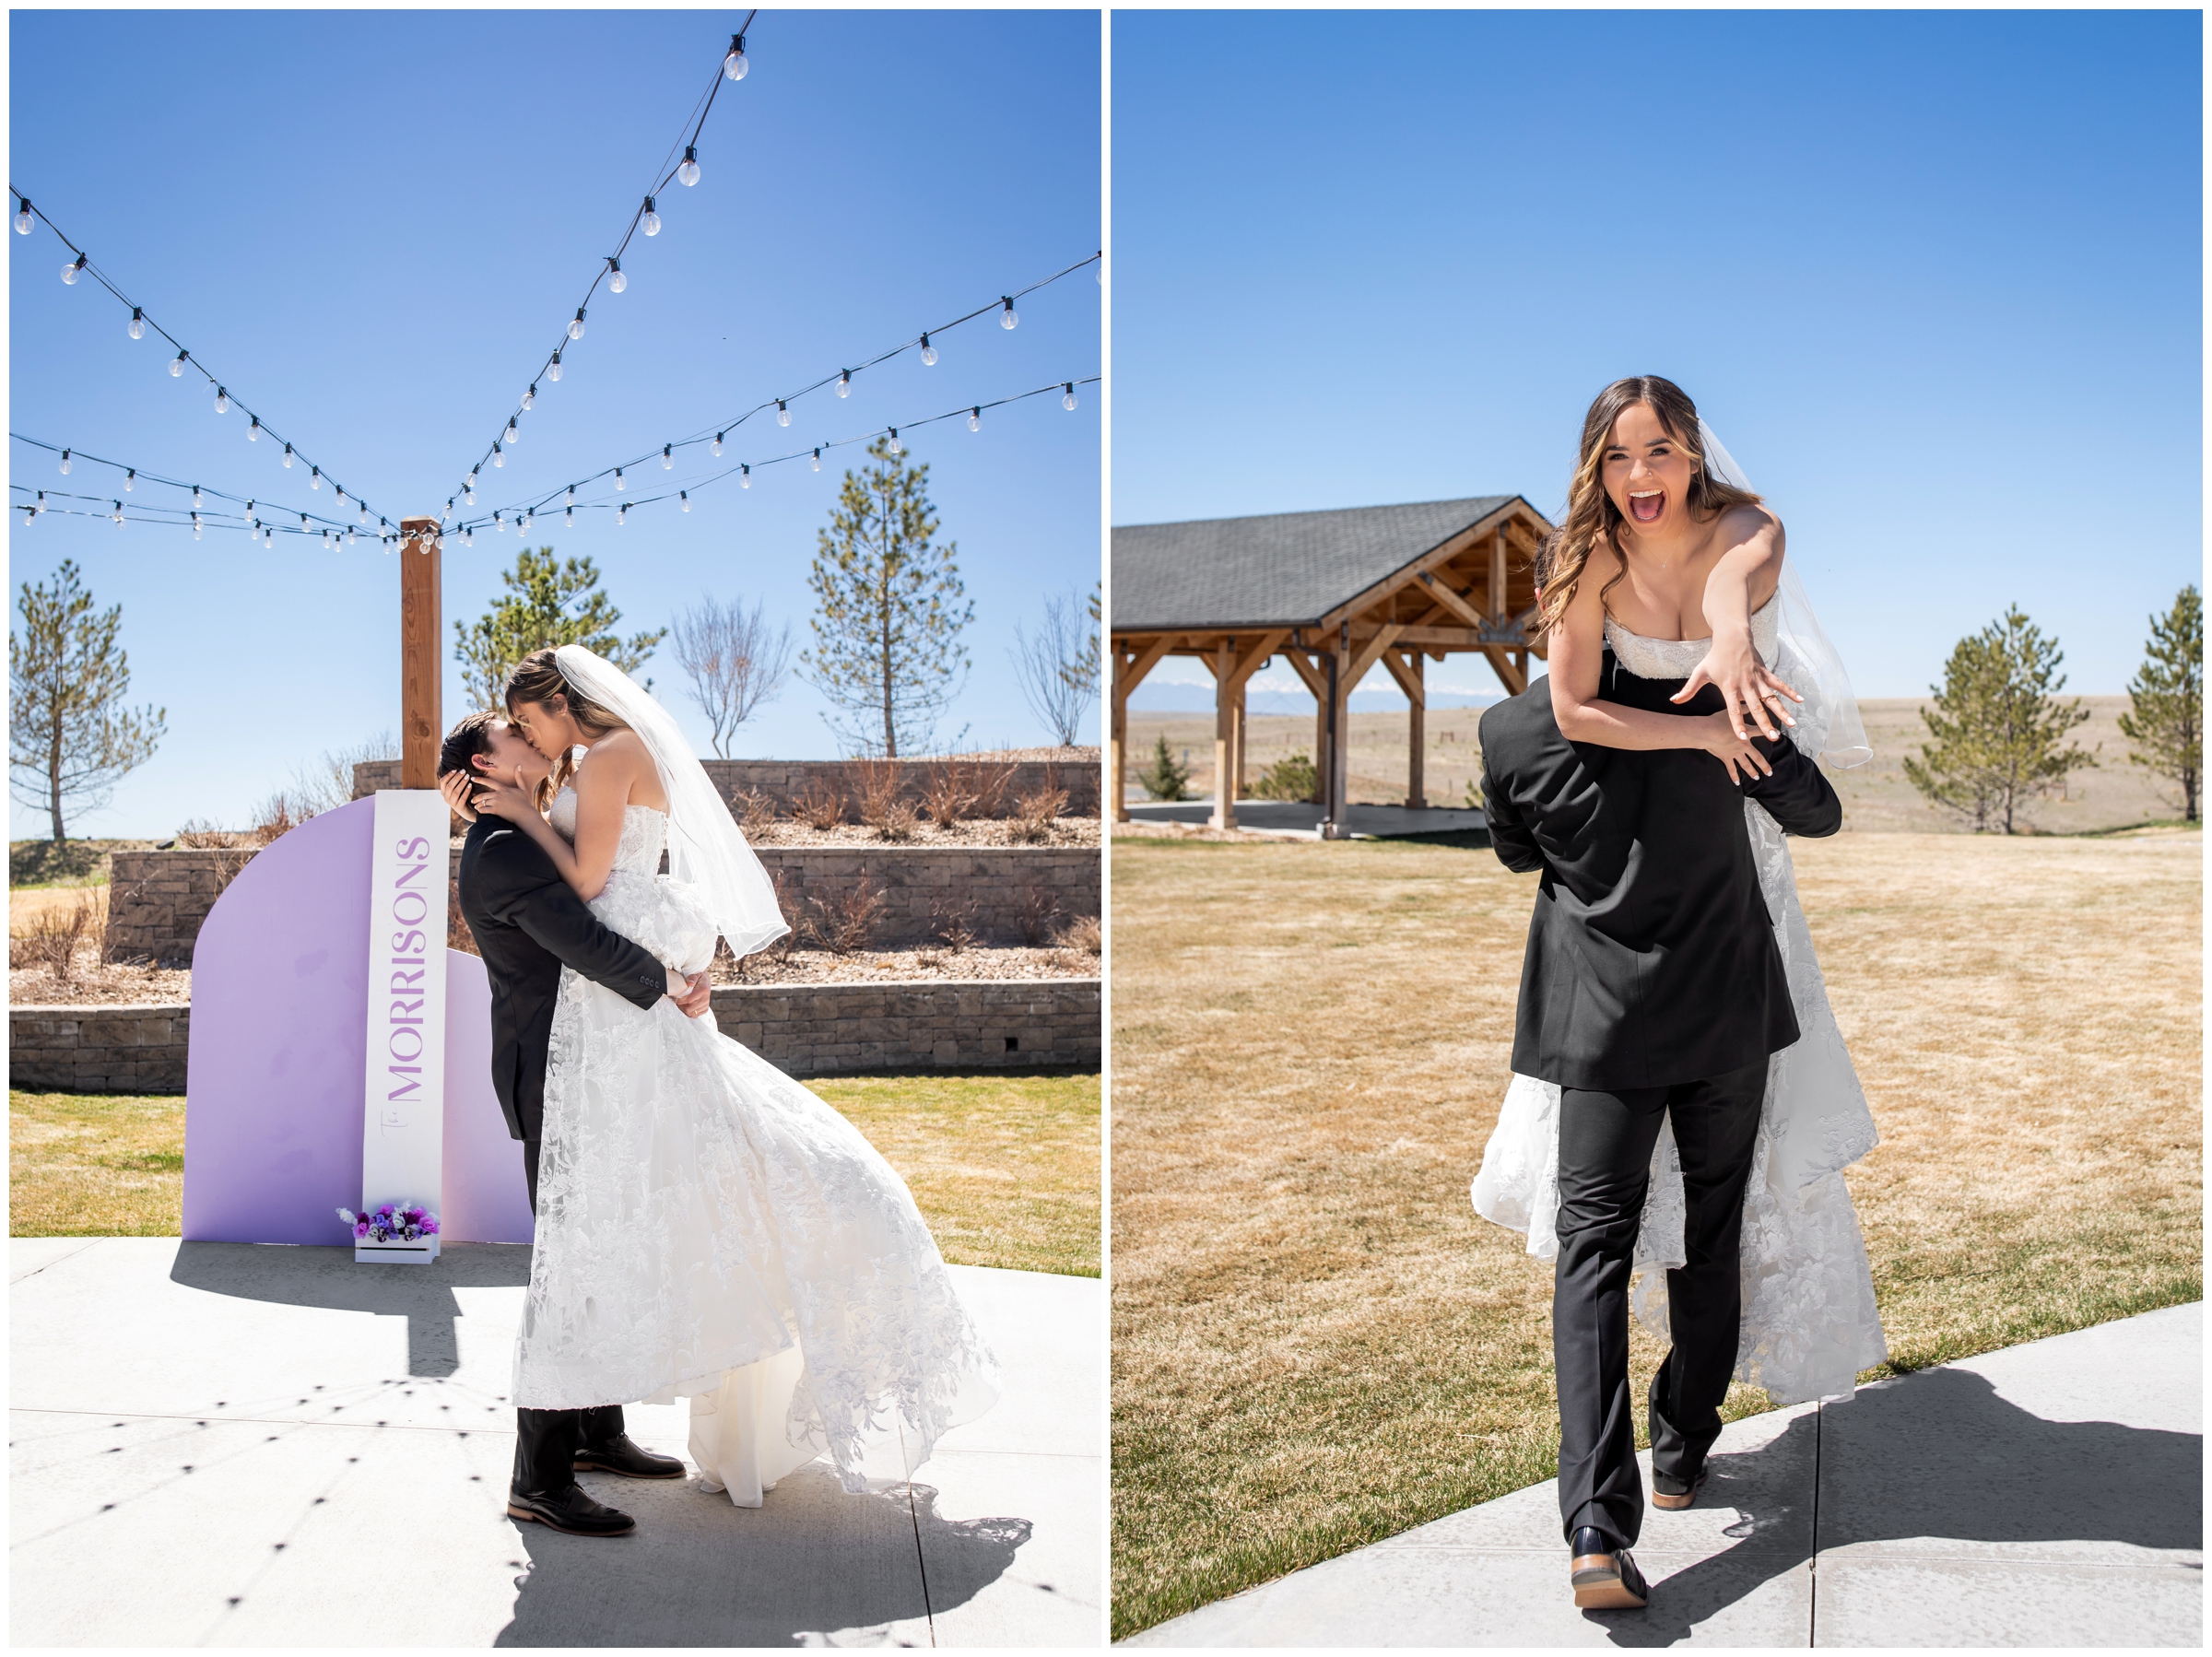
[[1934, 279], [375, 227]]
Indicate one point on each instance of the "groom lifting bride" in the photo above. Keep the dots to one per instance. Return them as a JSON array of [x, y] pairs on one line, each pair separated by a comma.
[[1676, 1068]]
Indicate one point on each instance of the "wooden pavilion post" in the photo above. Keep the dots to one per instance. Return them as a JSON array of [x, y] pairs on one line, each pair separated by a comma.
[[1407, 673], [1130, 666], [1339, 673], [1224, 665], [422, 726], [1241, 733]]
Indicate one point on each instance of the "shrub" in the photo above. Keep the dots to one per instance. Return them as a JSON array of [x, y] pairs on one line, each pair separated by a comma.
[[1083, 934], [818, 806], [1039, 909], [880, 782], [1034, 815], [52, 937], [1291, 779], [948, 792], [844, 922], [952, 921], [755, 812]]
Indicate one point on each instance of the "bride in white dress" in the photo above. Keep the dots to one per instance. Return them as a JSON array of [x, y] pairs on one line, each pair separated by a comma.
[[1809, 1320], [707, 1227]]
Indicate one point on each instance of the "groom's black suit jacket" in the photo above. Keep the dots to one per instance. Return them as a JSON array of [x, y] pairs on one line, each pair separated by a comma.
[[528, 924], [1651, 954]]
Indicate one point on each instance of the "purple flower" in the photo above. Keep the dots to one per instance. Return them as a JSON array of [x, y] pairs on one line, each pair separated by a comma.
[[429, 1225], [360, 1229]]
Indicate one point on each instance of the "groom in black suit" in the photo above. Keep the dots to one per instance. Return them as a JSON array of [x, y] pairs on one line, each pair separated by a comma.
[[1652, 987], [528, 924]]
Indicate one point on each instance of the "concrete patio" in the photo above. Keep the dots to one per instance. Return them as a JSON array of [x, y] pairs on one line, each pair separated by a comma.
[[2047, 1494], [231, 1444]]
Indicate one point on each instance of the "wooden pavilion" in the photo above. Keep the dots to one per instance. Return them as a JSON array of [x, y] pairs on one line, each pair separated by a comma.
[[1332, 594]]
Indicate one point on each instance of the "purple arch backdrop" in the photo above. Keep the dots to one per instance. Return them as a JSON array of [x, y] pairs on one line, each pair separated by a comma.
[[280, 1039]]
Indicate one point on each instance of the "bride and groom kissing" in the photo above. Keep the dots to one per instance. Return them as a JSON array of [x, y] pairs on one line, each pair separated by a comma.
[[706, 1227], [1682, 1104]]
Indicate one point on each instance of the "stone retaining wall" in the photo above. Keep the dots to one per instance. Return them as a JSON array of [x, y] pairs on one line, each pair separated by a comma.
[[97, 1049], [998, 1024], [783, 779], [803, 1029], [159, 899]]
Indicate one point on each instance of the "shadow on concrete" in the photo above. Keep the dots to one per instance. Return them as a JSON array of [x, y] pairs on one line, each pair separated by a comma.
[[814, 1561], [1935, 1454], [289, 1274]]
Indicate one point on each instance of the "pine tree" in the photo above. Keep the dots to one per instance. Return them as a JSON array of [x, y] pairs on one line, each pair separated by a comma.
[[1998, 725], [70, 740], [1164, 779], [2167, 726], [888, 611], [546, 603]]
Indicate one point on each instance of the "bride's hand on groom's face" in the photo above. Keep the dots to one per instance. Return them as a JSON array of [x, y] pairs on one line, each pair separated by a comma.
[[502, 797], [456, 788]]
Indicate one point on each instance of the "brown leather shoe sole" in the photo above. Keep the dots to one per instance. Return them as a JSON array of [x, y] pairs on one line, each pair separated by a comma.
[[514, 1512], [1599, 1585], [1674, 1504], [589, 1465]]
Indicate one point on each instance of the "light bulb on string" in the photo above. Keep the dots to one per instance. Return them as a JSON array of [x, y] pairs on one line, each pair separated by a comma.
[[735, 65], [195, 497], [253, 431], [195, 527], [817, 460], [31, 516], [514, 432], [23, 216], [844, 383], [1007, 319], [314, 477], [617, 281], [975, 419], [67, 464], [287, 457], [782, 414], [685, 496], [176, 364], [530, 396], [130, 480], [570, 517], [553, 368], [249, 518], [498, 523], [529, 518], [118, 514], [1067, 397], [572, 497], [349, 537], [137, 328], [71, 272], [745, 478], [622, 516], [575, 327], [717, 445], [689, 172], [41, 502], [667, 457], [223, 400], [618, 483], [467, 483], [303, 523], [894, 442], [364, 514], [929, 353], [341, 493], [499, 457], [651, 223]]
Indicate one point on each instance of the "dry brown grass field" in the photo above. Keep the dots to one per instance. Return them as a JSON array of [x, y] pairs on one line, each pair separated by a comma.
[[1317, 1342], [1877, 796]]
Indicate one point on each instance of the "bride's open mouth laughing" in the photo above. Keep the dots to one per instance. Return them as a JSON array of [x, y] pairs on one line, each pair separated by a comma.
[[1645, 505]]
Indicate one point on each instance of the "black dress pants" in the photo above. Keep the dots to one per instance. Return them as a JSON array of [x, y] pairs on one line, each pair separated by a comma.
[[1605, 1142], [545, 1441]]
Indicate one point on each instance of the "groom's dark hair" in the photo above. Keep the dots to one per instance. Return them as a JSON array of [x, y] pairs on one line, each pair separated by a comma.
[[464, 741]]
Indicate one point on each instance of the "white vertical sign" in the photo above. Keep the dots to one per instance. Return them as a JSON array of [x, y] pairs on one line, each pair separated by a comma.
[[403, 1132]]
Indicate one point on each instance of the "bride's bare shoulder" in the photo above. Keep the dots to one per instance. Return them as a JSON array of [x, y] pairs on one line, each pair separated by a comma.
[[629, 762]]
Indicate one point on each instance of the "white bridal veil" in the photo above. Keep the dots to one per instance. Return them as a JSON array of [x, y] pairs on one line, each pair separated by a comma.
[[1829, 718], [705, 846]]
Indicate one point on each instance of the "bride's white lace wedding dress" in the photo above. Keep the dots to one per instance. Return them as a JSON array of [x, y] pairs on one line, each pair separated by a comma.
[[1809, 1323], [708, 1228]]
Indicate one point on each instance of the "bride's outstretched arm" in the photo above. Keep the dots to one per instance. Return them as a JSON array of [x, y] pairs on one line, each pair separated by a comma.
[[1744, 579], [1576, 661]]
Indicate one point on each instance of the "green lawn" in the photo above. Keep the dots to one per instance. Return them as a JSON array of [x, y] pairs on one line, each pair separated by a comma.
[[1006, 1169]]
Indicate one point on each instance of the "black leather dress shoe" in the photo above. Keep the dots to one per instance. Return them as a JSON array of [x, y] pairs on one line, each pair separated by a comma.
[[625, 1455], [1673, 1494], [1604, 1576], [571, 1511]]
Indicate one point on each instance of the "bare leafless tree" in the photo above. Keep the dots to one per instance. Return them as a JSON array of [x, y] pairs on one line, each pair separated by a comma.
[[1051, 664], [735, 660]]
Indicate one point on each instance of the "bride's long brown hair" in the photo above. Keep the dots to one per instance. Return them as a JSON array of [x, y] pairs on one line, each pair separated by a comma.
[[1591, 515], [537, 678]]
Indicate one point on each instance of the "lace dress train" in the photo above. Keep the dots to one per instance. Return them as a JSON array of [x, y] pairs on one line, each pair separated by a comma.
[[709, 1228]]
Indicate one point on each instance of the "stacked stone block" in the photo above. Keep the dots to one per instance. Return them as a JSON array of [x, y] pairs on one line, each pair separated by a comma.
[[97, 1049]]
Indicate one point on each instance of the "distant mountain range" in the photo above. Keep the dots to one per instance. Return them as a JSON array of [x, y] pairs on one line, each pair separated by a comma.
[[1199, 699]]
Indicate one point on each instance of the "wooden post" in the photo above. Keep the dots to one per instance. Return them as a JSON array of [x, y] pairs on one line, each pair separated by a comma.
[[1332, 812], [1117, 740], [1498, 609], [421, 667], [1417, 732], [1225, 734], [1242, 735]]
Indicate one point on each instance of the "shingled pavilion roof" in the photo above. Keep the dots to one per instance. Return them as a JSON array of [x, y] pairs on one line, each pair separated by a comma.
[[1333, 594], [1282, 569]]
